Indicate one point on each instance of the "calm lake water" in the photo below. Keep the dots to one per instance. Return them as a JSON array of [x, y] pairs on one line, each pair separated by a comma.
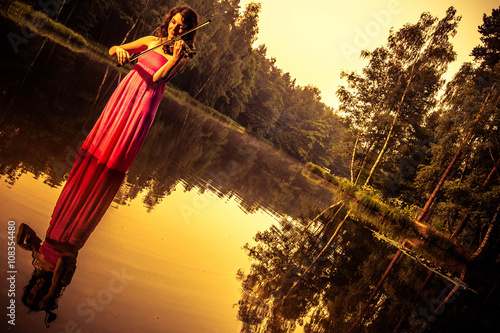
[[170, 255]]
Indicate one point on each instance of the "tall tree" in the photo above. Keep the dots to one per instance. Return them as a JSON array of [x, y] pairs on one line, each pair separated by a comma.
[[426, 51], [489, 51], [398, 87]]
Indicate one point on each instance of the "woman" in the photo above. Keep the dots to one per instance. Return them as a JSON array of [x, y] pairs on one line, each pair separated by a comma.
[[104, 158], [120, 131]]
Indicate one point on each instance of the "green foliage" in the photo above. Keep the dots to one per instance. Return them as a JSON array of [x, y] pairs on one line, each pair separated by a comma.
[[468, 119], [369, 205], [387, 103], [489, 52], [184, 98], [340, 182]]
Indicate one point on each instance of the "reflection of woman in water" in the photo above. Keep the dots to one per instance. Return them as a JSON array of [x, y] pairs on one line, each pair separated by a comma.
[[88, 192], [48, 278], [104, 158]]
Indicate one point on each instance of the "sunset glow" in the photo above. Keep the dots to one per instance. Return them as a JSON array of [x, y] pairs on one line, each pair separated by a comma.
[[315, 40]]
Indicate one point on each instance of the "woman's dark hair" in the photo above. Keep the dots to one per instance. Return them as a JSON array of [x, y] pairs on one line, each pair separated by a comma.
[[190, 20], [46, 280]]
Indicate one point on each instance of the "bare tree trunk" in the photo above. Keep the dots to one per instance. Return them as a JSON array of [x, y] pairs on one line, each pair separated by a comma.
[[493, 159], [123, 41], [448, 297], [101, 85], [327, 244], [335, 205], [364, 162], [135, 23], [216, 70], [382, 151], [71, 12], [105, 26], [493, 288], [315, 259], [487, 236], [353, 155], [33, 63], [357, 140], [384, 147], [427, 216], [136, 32], [54, 44], [463, 172], [450, 166], [107, 68]]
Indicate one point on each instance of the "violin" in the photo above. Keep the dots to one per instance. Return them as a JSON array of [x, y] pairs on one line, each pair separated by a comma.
[[169, 44], [188, 50]]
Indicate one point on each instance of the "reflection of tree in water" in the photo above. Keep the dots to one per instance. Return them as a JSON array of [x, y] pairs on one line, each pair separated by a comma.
[[40, 132], [204, 154], [358, 284]]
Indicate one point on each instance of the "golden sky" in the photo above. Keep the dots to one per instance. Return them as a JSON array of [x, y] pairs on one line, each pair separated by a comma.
[[314, 40]]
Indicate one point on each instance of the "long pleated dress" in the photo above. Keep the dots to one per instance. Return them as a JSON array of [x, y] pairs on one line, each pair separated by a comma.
[[104, 158]]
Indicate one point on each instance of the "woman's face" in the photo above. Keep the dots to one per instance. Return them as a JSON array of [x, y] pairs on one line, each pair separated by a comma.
[[176, 26]]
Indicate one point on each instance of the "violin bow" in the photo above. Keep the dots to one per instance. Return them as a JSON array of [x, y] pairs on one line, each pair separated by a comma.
[[137, 56]]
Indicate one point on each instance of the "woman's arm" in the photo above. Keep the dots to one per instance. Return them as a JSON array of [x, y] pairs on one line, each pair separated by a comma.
[[173, 65], [122, 52]]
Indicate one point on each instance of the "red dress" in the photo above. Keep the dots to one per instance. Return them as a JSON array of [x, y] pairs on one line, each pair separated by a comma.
[[122, 127], [105, 156]]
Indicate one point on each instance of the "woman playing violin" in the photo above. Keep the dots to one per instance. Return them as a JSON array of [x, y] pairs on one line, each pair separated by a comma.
[[105, 156], [176, 22]]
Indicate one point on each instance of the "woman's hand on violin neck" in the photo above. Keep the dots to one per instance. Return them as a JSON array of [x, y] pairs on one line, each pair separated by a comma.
[[122, 55]]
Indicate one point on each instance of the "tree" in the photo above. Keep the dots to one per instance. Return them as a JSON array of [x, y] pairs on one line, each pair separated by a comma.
[[469, 120], [223, 71], [266, 102], [489, 51], [397, 89]]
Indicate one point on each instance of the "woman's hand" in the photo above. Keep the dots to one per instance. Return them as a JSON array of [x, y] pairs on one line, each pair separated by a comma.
[[173, 65], [122, 55], [26, 243], [178, 52], [26, 238]]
